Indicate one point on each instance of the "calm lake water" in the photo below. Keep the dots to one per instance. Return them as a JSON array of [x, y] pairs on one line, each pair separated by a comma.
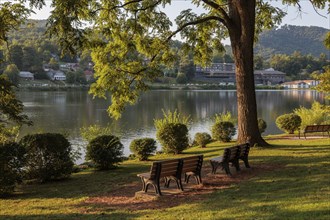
[[69, 111]]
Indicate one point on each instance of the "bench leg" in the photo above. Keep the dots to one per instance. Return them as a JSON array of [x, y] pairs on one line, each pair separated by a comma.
[[179, 184], [236, 164], [227, 169], [157, 188], [198, 179], [246, 162], [214, 166], [143, 185]]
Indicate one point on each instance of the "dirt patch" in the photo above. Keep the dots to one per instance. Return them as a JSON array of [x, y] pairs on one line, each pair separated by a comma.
[[124, 197]]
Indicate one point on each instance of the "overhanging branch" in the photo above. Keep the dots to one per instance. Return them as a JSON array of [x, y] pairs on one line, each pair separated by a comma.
[[199, 21]]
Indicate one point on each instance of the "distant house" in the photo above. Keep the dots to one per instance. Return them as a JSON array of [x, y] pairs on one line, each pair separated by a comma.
[[26, 75], [56, 75], [89, 75], [300, 84], [269, 77]]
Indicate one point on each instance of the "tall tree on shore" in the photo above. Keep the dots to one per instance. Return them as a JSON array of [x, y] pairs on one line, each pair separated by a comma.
[[130, 41], [11, 16]]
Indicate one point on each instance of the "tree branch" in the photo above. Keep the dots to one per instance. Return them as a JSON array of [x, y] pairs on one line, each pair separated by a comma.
[[202, 20], [219, 8]]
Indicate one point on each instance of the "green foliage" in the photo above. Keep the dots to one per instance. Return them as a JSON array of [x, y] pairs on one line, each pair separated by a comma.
[[12, 73], [92, 131], [262, 125], [316, 115], [181, 78], [202, 139], [11, 117], [223, 131], [288, 122], [76, 77], [324, 78], [8, 133], [48, 156], [143, 147], [171, 117], [172, 131], [173, 137], [12, 159], [296, 64], [222, 117], [288, 38], [105, 151]]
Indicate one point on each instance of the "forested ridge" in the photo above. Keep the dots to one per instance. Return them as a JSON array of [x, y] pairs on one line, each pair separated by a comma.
[[290, 38]]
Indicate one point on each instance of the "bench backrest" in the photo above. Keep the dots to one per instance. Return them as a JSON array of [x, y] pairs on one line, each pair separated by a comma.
[[231, 153], [317, 128], [165, 168], [244, 150], [192, 164]]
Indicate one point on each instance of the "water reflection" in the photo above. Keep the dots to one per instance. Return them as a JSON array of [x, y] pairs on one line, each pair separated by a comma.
[[69, 111]]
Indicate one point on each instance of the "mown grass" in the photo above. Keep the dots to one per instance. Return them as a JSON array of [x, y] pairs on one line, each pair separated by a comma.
[[297, 188]]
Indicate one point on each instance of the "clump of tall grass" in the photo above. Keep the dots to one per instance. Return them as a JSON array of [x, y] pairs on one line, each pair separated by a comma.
[[317, 114]]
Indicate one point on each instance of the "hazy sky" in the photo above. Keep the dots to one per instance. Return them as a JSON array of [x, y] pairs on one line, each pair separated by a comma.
[[308, 18]]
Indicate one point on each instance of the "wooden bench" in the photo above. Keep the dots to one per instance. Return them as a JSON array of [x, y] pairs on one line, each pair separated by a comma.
[[192, 166], [231, 155], [316, 128], [170, 169]]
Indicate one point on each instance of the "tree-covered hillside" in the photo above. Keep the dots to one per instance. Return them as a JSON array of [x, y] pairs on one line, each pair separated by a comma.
[[290, 38]]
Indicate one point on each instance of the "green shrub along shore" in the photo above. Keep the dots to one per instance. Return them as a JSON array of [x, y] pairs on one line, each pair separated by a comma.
[[290, 180]]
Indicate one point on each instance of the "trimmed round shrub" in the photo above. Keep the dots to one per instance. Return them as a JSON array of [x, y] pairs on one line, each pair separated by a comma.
[[12, 159], [262, 125], [223, 131], [202, 139], [288, 122], [173, 137], [48, 156], [143, 147], [105, 151]]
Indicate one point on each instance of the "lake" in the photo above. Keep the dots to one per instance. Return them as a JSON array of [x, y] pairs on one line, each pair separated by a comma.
[[68, 111]]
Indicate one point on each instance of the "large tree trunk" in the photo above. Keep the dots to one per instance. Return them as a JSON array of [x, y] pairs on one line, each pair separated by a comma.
[[242, 38]]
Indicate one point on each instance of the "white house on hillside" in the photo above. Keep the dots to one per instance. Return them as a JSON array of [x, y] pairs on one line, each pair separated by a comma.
[[300, 84], [56, 75]]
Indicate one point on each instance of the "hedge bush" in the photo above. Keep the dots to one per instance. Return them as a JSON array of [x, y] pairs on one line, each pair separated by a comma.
[[48, 156], [262, 125], [105, 151], [173, 137], [288, 122], [202, 139], [223, 131], [143, 147], [12, 160], [172, 132]]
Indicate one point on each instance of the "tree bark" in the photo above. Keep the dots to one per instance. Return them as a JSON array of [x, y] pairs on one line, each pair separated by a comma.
[[241, 32]]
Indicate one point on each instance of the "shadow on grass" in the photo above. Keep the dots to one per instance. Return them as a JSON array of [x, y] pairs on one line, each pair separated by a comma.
[[82, 184], [72, 216]]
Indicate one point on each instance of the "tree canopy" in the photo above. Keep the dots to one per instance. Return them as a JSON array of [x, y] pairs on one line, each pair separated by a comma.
[[130, 41]]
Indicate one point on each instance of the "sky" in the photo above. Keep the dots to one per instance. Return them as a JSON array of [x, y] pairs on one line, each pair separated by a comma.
[[308, 17]]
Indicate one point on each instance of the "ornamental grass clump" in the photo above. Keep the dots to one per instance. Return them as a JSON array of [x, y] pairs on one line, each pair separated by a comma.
[[224, 127], [12, 160], [172, 132], [143, 147], [49, 156], [106, 151], [288, 122]]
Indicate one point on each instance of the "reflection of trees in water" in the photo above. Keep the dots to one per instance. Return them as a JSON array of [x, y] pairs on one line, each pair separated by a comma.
[[69, 111]]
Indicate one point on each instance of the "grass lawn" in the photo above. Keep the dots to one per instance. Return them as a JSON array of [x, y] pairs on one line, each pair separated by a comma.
[[296, 185]]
